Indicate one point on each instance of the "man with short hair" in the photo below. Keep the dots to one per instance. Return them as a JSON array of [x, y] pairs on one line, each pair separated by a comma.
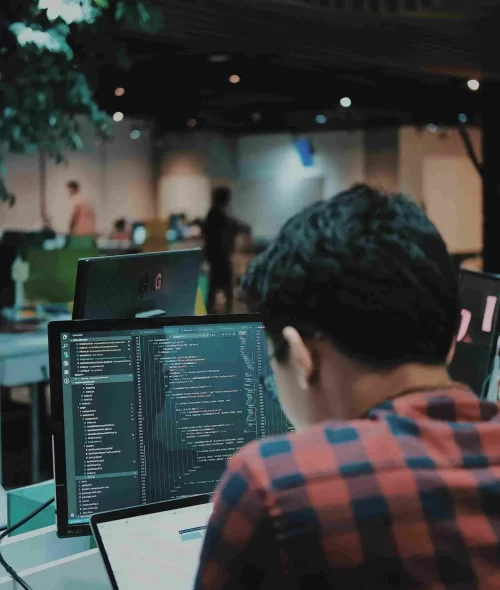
[[392, 479], [83, 217]]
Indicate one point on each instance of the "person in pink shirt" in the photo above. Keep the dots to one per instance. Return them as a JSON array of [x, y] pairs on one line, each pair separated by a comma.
[[83, 217]]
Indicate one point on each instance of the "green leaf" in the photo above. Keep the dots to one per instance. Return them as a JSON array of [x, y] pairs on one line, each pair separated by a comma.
[[120, 10]]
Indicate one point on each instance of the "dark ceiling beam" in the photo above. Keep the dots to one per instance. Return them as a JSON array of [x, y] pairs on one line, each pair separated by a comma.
[[319, 36]]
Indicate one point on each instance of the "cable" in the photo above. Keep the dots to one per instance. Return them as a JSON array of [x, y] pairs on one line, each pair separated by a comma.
[[10, 530]]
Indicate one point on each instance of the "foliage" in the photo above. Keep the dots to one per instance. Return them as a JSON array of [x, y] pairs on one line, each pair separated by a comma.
[[47, 51]]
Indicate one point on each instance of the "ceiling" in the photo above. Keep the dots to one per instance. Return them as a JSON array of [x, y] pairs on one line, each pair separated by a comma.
[[399, 61]]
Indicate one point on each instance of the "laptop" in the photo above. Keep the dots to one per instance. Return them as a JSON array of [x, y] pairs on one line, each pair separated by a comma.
[[153, 546]]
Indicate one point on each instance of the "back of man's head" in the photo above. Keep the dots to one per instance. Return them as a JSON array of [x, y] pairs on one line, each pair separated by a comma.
[[73, 187], [221, 197], [367, 270], [120, 224]]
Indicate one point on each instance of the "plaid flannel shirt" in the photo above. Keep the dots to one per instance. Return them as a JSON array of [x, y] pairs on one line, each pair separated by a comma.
[[408, 497]]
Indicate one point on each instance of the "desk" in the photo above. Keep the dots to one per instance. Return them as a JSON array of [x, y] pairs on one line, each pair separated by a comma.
[[24, 360]]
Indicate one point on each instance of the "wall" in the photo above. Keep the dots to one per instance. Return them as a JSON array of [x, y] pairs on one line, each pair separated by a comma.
[[190, 165], [272, 179], [436, 170], [117, 176], [23, 179], [338, 159], [382, 158], [267, 203]]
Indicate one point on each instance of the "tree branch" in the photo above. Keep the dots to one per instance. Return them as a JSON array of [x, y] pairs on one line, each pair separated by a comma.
[[464, 134]]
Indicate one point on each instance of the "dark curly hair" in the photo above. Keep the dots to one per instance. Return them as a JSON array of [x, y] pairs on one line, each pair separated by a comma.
[[367, 270]]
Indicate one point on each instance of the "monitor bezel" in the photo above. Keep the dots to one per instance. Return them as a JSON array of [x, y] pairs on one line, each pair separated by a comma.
[[463, 275], [141, 510], [56, 329]]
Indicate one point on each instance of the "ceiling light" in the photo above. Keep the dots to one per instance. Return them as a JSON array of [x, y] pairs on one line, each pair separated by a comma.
[[234, 79], [135, 134], [191, 123], [432, 128], [463, 118], [119, 91], [320, 119], [345, 102], [117, 117], [473, 85]]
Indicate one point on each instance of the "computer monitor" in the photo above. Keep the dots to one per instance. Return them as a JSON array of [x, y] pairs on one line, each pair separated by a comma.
[[7, 287], [148, 410], [121, 287], [479, 294]]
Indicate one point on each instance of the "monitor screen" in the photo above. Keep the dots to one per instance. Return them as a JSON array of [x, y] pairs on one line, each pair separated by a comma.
[[476, 338], [153, 413]]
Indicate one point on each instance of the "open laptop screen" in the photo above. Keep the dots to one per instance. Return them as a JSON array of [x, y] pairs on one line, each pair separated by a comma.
[[154, 549]]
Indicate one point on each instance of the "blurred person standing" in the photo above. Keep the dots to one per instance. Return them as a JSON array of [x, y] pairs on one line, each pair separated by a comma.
[[83, 217], [219, 231]]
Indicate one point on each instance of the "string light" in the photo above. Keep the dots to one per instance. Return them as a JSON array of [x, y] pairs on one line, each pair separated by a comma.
[[117, 117], [119, 91], [473, 85], [345, 102], [234, 79], [320, 119]]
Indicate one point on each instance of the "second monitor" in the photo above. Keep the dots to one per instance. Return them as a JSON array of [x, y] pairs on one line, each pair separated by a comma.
[[150, 410], [123, 287]]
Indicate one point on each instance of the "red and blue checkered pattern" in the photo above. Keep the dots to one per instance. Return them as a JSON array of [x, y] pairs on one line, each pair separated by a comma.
[[408, 497]]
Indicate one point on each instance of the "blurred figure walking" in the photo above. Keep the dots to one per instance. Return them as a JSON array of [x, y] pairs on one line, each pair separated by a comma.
[[219, 232]]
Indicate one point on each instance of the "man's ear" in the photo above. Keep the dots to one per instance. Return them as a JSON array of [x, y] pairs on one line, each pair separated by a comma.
[[451, 353], [300, 356]]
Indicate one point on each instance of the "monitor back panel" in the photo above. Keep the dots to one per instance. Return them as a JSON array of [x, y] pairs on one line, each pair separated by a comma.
[[121, 287]]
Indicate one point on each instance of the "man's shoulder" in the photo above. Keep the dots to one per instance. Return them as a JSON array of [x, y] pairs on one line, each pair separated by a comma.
[[326, 450]]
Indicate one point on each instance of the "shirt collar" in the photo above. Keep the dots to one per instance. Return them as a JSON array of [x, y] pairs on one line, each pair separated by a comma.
[[454, 404]]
